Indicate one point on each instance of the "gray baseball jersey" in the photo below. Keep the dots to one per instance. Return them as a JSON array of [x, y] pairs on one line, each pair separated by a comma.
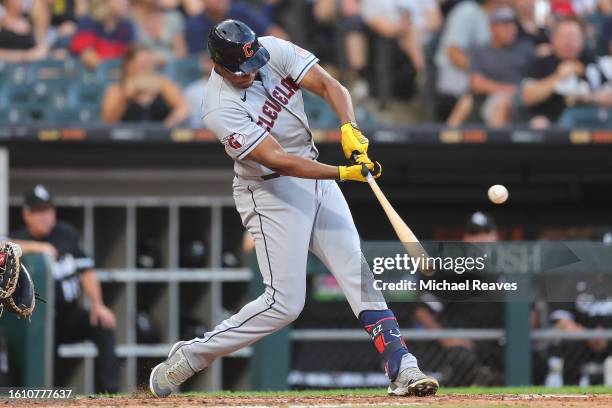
[[287, 216], [241, 118]]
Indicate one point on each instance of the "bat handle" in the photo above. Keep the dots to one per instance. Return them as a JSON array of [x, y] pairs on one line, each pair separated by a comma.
[[364, 169]]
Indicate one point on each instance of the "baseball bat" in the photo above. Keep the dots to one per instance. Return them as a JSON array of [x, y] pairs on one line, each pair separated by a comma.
[[404, 233]]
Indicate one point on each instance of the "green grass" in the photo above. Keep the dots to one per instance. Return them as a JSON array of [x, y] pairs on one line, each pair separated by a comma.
[[382, 392]]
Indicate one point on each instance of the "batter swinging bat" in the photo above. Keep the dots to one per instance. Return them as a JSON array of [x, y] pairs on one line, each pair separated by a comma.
[[404, 233]]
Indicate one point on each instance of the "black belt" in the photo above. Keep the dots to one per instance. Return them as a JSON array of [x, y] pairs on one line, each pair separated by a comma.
[[270, 176]]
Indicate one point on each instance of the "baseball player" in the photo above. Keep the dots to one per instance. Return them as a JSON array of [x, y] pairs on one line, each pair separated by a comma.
[[288, 201]]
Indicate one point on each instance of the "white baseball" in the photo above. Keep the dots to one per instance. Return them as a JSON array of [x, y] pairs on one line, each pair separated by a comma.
[[498, 194]]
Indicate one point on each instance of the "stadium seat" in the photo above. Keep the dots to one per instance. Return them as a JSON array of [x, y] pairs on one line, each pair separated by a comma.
[[109, 71], [12, 73], [16, 95], [32, 98], [85, 95], [184, 71], [52, 71], [70, 116], [14, 116], [85, 75]]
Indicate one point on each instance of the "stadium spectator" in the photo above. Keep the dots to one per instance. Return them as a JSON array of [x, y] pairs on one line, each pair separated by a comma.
[[462, 361], [466, 26], [186, 7], [590, 309], [142, 95], [605, 38], [17, 35], [392, 20], [160, 30], [215, 11], [194, 93], [427, 19], [106, 34], [332, 26], [567, 88], [529, 28], [55, 22], [72, 270], [497, 69]]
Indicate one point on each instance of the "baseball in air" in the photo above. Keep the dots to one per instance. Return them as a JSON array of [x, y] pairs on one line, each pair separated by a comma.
[[498, 194]]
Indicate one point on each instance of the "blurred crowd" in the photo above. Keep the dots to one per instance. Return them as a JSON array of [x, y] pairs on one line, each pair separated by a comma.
[[496, 62]]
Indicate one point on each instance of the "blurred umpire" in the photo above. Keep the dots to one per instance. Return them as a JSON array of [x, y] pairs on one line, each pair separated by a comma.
[[72, 270]]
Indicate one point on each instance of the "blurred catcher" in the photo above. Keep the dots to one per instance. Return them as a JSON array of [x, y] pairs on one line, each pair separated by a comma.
[[16, 287]]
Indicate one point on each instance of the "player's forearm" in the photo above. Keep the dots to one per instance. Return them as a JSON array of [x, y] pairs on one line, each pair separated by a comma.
[[339, 98], [568, 325], [458, 57], [535, 91], [427, 319], [296, 166], [91, 287], [483, 85], [28, 247]]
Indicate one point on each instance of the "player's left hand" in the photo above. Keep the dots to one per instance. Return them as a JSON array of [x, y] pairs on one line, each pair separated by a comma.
[[354, 144], [359, 172], [103, 316]]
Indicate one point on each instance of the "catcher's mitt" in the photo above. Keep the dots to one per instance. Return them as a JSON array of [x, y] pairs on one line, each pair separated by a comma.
[[9, 269], [16, 287]]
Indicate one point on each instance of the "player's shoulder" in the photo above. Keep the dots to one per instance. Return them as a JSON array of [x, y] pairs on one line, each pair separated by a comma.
[[66, 230], [218, 95], [275, 45]]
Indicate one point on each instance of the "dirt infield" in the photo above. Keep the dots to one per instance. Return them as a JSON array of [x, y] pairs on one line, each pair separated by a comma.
[[446, 401]]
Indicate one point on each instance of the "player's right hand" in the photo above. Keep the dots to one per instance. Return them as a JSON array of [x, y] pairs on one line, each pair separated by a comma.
[[353, 141], [359, 172]]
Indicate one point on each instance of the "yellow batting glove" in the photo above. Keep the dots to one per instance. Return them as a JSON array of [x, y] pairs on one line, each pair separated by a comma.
[[361, 159], [359, 172], [353, 141]]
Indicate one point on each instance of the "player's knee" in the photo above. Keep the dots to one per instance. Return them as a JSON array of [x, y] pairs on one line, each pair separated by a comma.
[[292, 308]]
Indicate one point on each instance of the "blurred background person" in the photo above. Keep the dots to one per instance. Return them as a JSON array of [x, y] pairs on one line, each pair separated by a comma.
[[161, 30], [340, 22], [215, 11], [73, 271], [143, 95], [466, 26], [194, 93], [568, 87], [397, 52], [106, 33], [393, 20], [496, 70], [18, 42], [580, 362], [528, 27], [55, 22], [463, 362]]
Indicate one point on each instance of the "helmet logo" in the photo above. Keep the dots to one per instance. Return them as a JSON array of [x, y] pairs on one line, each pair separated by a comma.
[[247, 49]]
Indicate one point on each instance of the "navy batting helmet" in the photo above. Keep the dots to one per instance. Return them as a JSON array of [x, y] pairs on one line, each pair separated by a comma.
[[233, 45]]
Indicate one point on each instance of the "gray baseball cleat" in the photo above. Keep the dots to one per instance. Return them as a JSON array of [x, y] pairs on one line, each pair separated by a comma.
[[411, 381], [166, 377]]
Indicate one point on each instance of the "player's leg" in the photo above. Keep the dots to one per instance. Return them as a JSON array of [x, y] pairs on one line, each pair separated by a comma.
[[336, 242], [279, 214], [75, 326]]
